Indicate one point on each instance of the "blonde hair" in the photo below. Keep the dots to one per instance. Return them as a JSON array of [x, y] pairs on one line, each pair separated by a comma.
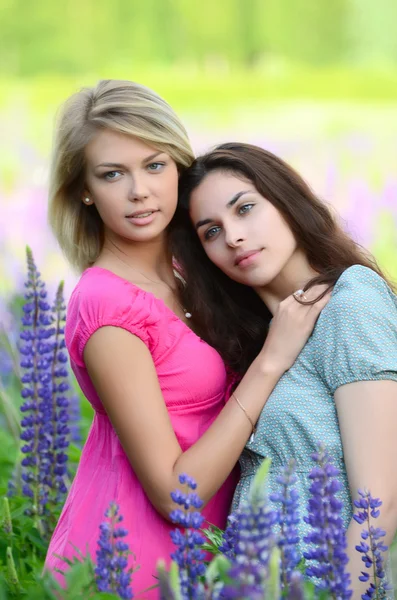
[[122, 106]]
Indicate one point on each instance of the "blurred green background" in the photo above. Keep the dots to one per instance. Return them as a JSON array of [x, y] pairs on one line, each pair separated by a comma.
[[313, 80]]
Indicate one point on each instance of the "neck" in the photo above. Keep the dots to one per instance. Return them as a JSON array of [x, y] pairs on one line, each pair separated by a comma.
[[294, 276], [151, 258]]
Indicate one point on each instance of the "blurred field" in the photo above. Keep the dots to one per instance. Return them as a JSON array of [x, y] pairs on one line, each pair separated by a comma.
[[345, 148], [315, 82]]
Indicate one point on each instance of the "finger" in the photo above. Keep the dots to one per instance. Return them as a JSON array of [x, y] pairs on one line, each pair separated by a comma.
[[304, 299], [288, 301]]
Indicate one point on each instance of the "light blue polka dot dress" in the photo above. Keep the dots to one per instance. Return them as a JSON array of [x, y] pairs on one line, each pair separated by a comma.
[[355, 339]]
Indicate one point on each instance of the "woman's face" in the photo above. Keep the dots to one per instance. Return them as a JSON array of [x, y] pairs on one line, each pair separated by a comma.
[[241, 232], [133, 186]]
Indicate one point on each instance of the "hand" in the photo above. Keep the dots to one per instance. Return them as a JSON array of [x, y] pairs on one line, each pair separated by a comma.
[[290, 329]]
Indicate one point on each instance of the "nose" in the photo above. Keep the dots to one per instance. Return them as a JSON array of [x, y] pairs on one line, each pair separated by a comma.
[[234, 237], [138, 189]]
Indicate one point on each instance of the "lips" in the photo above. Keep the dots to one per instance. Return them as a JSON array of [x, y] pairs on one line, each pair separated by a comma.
[[141, 214], [244, 255]]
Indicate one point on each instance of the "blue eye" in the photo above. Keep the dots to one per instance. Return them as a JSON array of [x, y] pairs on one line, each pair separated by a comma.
[[211, 232], [111, 175], [157, 166], [245, 208]]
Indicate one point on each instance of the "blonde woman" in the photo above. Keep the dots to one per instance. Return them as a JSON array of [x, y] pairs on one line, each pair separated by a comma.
[[158, 390]]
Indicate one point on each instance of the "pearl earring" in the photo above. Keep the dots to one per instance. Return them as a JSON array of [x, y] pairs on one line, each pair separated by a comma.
[[86, 200]]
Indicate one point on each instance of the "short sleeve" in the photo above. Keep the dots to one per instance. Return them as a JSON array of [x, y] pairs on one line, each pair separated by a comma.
[[107, 300], [356, 337]]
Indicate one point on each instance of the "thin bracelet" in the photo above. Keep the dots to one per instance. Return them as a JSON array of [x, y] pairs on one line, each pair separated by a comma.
[[247, 415]]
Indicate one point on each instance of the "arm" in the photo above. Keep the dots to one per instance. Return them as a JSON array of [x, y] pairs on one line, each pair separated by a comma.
[[123, 373], [367, 412]]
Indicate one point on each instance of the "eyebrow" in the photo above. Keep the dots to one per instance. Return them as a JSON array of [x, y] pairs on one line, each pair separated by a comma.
[[119, 165], [228, 205]]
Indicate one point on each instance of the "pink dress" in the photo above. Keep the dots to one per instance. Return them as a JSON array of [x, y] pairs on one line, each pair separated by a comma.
[[193, 381]]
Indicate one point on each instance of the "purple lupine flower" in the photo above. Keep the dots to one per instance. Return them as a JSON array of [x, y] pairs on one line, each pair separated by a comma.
[[327, 536], [288, 518], [35, 363], [253, 541], [230, 536], [54, 433], [188, 555], [45, 416], [249, 581], [111, 574], [371, 546]]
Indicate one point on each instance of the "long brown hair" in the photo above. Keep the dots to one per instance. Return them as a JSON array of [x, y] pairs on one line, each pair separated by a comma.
[[229, 315]]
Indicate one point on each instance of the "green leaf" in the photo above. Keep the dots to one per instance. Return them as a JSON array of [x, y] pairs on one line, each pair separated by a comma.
[[44, 587], [214, 536], [74, 453], [218, 570], [165, 590], [3, 588], [174, 581], [273, 584], [5, 518], [12, 575], [257, 492], [34, 536], [310, 590], [18, 508], [80, 578]]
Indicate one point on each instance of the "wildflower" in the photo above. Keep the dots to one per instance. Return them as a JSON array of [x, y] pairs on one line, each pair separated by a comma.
[[110, 572], [253, 540], [288, 518], [56, 429], [45, 417], [328, 553], [35, 362], [371, 546], [230, 536], [188, 555]]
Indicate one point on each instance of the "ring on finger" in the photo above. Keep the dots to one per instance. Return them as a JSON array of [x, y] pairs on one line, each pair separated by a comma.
[[299, 295]]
